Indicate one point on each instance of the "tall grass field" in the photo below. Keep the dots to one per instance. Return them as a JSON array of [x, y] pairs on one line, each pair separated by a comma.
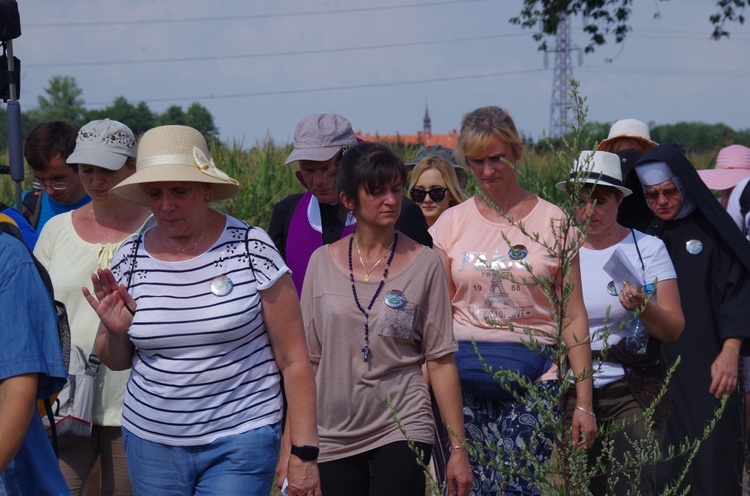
[[264, 179]]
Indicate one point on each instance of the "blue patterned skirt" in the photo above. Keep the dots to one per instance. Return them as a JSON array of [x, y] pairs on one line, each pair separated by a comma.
[[502, 430]]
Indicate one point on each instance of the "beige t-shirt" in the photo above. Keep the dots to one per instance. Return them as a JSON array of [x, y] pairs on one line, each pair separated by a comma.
[[353, 415]]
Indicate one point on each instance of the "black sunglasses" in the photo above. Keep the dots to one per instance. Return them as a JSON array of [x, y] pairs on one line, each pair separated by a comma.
[[437, 194]]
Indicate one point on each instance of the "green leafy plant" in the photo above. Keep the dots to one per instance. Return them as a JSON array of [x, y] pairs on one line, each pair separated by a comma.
[[568, 472]]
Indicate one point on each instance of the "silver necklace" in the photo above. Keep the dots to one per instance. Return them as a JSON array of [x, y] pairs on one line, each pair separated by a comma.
[[359, 254], [185, 250], [93, 216]]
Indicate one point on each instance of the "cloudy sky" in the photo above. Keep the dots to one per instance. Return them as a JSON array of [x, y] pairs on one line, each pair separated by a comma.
[[258, 66]]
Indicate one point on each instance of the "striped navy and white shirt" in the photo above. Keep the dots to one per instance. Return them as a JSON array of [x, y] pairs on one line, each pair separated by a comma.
[[203, 366]]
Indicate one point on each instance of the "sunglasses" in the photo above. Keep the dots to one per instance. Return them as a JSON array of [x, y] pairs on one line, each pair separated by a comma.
[[437, 194], [668, 193]]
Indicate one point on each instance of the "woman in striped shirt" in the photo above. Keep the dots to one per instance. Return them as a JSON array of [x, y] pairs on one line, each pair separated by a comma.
[[202, 309]]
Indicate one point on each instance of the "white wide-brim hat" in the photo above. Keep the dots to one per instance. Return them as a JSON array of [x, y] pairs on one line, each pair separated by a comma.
[[597, 168], [174, 153], [628, 128]]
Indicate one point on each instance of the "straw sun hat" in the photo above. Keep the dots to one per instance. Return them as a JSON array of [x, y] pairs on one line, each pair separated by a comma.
[[174, 153]]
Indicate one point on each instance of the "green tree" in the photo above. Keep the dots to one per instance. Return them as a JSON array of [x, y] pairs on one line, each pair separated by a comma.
[[139, 118], [173, 115], [607, 18], [200, 118], [63, 102], [197, 116]]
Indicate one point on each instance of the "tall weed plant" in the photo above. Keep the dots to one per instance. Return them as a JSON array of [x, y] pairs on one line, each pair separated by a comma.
[[567, 473]]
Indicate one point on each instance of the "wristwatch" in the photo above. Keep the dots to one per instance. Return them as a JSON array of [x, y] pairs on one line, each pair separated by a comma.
[[306, 453]]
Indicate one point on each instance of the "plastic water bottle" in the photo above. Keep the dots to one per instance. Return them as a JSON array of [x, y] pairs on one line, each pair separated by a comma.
[[637, 342]]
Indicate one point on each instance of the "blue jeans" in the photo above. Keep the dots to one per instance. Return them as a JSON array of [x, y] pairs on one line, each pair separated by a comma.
[[237, 464]]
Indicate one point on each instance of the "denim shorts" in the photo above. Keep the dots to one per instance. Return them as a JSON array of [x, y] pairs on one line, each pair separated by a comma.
[[237, 464]]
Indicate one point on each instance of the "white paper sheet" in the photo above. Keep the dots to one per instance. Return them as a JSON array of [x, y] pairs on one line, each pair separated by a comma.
[[620, 269]]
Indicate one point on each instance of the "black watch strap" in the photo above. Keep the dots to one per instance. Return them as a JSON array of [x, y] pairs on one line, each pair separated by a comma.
[[306, 453]]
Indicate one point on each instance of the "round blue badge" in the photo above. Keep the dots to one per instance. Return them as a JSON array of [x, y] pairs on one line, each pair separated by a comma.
[[221, 285], [611, 289], [694, 246], [518, 252], [395, 299]]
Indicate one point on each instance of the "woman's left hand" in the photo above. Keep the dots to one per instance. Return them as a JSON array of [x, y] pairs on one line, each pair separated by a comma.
[[111, 302], [632, 298], [303, 478], [724, 372], [583, 428], [458, 473]]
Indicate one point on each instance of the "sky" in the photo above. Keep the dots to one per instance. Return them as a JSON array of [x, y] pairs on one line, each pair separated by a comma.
[[259, 66]]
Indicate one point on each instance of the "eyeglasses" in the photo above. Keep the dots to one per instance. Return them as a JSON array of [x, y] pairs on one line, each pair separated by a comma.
[[55, 185], [437, 194], [668, 193]]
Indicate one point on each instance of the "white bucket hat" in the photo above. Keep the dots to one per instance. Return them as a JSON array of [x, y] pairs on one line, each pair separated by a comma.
[[174, 153], [104, 143], [598, 168]]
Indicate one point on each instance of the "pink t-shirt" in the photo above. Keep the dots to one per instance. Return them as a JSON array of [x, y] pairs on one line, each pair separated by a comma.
[[496, 298]]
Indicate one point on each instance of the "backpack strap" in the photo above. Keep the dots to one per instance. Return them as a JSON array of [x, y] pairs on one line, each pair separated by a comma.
[[52, 426], [31, 207]]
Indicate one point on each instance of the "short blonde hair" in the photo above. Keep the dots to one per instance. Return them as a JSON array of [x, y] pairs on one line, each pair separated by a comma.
[[446, 171], [480, 127]]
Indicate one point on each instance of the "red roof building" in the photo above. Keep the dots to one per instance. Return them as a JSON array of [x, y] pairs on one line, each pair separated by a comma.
[[424, 137]]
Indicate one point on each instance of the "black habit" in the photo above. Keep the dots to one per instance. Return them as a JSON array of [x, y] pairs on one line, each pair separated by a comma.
[[714, 285]]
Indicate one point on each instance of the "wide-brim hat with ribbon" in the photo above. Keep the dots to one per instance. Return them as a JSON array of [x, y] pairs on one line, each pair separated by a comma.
[[598, 168], [732, 166], [174, 153]]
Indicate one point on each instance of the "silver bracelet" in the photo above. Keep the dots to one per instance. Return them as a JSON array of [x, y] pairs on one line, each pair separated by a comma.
[[585, 411], [457, 447]]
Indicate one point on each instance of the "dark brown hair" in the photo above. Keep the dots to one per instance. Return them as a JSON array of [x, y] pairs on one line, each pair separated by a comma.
[[48, 140], [371, 166]]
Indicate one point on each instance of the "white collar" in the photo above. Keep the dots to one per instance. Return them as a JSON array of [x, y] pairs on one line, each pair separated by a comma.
[[313, 215]]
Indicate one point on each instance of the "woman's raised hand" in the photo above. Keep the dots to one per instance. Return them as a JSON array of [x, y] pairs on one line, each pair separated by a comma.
[[111, 302]]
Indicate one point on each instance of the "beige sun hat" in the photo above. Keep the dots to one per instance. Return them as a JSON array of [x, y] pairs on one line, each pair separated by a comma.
[[174, 153]]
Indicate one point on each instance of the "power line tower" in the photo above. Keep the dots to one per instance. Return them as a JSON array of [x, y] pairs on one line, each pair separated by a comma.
[[563, 72]]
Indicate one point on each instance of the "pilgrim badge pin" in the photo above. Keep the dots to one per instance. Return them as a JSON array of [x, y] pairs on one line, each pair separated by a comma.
[[694, 246], [395, 299], [611, 288], [518, 252], [221, 285]]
